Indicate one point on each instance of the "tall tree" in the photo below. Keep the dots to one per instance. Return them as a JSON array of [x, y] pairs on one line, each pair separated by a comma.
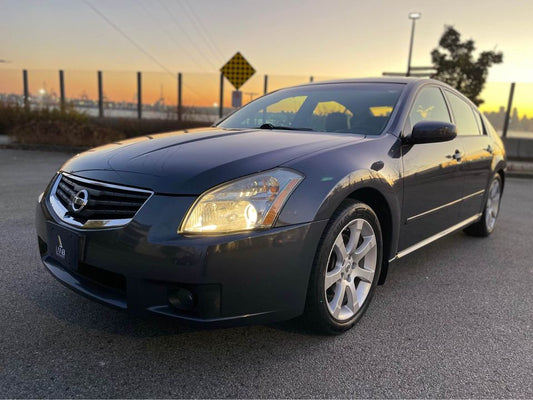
[[455, 64]]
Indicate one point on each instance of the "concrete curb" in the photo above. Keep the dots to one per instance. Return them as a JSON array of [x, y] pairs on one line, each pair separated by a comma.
[[4, 140], [44, 147], [521, 174], [520, 169]]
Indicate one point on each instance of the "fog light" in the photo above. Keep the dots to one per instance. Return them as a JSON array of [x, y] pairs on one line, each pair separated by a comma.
[[182, 299]]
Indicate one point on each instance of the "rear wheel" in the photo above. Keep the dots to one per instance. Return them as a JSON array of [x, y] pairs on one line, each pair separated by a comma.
[[486, 224], [346, 269]]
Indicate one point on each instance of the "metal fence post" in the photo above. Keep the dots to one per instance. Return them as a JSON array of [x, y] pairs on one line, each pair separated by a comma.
[[508, 113], [221, 100], [139, 95], [26, 89], [62, 90], [100, 95], [180, 105], [265, 86]]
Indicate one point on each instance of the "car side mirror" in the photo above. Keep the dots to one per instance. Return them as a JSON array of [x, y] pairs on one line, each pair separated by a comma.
[[432, 132]]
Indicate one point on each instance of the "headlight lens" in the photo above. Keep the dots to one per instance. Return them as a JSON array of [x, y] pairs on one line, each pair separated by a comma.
[[248, 203]]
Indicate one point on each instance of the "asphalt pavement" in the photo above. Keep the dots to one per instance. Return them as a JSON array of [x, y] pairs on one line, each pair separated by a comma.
[[454, 319]]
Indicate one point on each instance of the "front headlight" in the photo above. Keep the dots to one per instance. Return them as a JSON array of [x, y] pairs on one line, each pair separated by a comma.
[[248, 203]]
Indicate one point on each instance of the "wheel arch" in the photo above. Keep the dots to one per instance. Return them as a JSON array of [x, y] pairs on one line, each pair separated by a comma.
[[377, 201], [383, 199], [502, 176]]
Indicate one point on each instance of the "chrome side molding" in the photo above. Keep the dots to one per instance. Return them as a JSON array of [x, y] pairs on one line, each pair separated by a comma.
[[439, 235], [445, 205]]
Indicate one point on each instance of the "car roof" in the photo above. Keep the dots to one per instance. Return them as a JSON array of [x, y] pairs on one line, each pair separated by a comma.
[[411, 82], [408, 81], [400, 79]]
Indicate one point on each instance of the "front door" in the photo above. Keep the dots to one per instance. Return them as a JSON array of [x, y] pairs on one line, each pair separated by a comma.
[[432, 181]]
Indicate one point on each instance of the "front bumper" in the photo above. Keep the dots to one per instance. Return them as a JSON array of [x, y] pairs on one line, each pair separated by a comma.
[[247, 277]]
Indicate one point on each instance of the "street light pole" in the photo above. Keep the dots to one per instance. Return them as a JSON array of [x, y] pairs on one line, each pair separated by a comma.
[[413, 16]]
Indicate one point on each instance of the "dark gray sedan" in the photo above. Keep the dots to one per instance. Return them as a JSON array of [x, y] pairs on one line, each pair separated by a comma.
[[295, 204]]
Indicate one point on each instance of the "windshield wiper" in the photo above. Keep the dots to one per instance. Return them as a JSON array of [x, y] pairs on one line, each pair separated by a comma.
[[287, 128]]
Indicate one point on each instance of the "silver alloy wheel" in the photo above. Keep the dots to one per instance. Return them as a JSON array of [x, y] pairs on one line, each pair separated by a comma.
[[493, 204], [350, 270]]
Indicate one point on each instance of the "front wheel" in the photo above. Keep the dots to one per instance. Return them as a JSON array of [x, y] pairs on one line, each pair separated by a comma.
[[486, 224], [346, 269]]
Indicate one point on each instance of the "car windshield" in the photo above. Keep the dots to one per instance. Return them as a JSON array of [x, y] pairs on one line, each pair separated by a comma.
[[361, 108]]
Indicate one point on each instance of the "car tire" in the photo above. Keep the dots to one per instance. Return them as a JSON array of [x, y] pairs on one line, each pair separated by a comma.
[[485, 226], [347, 264]]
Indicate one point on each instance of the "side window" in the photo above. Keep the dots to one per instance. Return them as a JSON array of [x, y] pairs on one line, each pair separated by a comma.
[[479, 123], [489, 129], [465, 119], [429, 105]]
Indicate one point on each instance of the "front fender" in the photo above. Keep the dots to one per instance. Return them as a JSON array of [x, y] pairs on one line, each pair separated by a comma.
[[357, 181], [370, 167]]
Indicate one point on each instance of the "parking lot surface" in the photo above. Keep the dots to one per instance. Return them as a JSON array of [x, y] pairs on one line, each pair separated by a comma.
[[454, 319]]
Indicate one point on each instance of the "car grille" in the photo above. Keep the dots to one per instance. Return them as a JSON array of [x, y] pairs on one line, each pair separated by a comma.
[[105, 202]]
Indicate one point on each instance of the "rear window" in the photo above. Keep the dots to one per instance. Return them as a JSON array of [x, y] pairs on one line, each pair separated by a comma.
[[361, 108]]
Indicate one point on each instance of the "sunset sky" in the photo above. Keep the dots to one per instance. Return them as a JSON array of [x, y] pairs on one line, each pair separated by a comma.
[[289, 40]]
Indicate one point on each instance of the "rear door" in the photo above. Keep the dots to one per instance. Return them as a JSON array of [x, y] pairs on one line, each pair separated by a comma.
[[477, 159], [433, 184]]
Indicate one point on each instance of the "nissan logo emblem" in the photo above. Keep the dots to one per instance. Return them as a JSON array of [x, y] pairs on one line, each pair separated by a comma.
[[80, 200]]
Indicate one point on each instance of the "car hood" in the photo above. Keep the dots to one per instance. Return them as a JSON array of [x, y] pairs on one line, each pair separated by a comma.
[[191, 162]]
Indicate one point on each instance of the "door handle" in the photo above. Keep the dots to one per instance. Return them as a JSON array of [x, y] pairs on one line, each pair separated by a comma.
[[457, 156]]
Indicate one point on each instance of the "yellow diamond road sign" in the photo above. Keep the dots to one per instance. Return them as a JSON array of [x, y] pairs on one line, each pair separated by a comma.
[[237, 70]]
